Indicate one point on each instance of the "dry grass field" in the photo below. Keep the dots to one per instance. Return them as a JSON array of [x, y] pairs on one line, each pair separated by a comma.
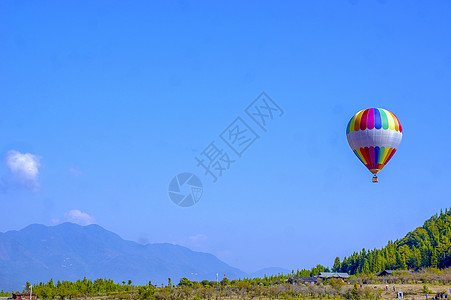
[[410, 291]]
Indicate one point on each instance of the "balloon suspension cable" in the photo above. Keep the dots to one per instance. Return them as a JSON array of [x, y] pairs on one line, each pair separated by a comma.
[[375, 179]]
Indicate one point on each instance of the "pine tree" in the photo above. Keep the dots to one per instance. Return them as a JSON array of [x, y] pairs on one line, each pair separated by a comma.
[[434, 260], [337, 265], [426, 246]]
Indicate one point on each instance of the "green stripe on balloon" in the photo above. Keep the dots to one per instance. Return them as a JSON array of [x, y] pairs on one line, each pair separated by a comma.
[[384, 118]]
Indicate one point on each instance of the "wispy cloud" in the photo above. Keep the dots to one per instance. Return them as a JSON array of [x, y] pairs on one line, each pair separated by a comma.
[[76, 216], [197, 242], [75, 172], [24, 169], [198, 238]]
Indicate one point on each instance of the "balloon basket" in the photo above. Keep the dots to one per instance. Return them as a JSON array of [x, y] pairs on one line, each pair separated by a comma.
[[375, 179]]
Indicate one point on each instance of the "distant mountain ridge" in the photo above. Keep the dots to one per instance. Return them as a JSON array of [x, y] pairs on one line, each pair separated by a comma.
[[70, 252]]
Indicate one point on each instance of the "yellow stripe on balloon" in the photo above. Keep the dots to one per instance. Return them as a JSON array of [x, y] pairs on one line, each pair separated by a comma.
[[358, 119], [386, 155], [361, 156], [351, 124], [396, 122], [391, 120]]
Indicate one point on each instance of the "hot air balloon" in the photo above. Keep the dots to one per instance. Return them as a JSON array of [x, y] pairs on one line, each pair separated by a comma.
[[374, 134]]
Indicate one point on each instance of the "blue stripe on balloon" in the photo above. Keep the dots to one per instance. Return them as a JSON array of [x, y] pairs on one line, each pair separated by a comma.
[[377, 119], [376, 154]]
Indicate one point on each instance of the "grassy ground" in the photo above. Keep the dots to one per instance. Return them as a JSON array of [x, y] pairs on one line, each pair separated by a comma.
[[411, 291]]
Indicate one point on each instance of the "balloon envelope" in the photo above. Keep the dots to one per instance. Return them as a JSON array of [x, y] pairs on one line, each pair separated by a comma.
[[374, 134]]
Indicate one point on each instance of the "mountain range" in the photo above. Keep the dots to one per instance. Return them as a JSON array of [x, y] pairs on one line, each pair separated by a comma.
[[68, 251]]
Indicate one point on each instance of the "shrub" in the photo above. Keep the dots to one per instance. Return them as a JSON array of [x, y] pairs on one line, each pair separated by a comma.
[[426, 290]]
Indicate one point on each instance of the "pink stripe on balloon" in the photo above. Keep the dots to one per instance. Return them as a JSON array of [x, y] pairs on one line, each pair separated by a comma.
[[370, 121]]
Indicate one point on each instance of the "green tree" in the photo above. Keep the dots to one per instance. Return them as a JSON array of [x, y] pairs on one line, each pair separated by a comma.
[[225, 281], [145, 292], [366, 266], [26, 288], [336, 283], [426, 246], [185, 282], [337, 265], [355, 293], [434, 260], [317, 270], [205, 282]]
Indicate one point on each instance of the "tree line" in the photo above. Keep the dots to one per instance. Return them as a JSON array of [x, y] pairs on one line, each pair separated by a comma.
[[272, 287], [426, 246]]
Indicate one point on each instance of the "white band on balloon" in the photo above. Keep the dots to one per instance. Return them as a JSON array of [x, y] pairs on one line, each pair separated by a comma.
[[374, 137]]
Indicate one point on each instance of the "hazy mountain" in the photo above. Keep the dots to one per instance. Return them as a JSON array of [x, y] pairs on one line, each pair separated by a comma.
[[70, 252]]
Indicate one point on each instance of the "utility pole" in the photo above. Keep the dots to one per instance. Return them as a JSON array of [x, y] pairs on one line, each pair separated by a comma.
[[31, 292]]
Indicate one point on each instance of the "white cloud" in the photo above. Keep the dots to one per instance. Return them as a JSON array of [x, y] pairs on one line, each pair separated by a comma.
[[24, 168], [198, 238], [75, 172], [78, 217], [197, 242]]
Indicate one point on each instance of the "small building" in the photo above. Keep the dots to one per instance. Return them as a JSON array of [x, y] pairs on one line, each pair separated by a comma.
[[385, 273], [21, 296], [391, 272], [327, 275], [304, 280]]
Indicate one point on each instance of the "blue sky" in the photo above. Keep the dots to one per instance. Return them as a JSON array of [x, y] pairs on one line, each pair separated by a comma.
[[102, 103]]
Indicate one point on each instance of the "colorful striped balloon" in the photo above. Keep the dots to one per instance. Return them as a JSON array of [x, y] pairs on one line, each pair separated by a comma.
[[374, 134]]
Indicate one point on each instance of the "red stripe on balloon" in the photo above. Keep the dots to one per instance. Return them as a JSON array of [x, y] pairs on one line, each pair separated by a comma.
[[400, 127], [364, 120], [372, 166], [363, 157], [365, 152], [370, 122], [373, 160], [391, 155]]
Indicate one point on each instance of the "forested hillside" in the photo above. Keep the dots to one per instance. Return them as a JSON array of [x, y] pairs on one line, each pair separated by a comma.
[[426, 246]]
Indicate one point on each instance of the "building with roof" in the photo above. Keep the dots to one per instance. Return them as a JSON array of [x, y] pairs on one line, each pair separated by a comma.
[[385, 273], [391, 272], [327, 275], [302, 280], [21, 296]]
